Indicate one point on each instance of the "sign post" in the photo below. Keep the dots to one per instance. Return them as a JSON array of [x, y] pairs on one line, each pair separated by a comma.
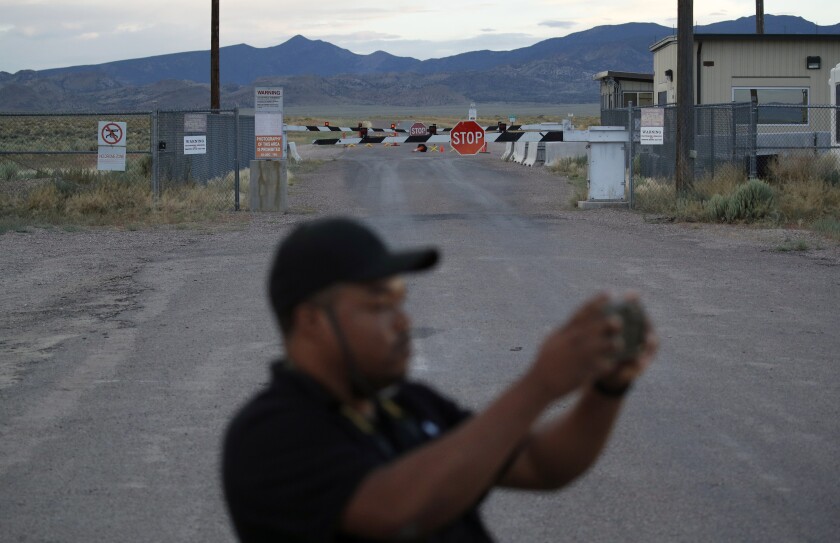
[[467, 137]]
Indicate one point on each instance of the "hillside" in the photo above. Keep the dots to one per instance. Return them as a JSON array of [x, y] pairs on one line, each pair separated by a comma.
[[557, 70]]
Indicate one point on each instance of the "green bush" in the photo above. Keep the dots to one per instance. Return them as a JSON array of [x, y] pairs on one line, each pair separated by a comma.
[[8, 171], [749, 202]]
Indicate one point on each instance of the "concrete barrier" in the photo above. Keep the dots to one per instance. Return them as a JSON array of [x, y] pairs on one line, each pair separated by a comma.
[[508, 154], [555, 151], [293, 154], [520, 149], [535, 154]]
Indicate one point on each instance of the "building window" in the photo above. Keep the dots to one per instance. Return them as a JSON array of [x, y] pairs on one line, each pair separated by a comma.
[[639, 99], [776, 98], [662, 98]]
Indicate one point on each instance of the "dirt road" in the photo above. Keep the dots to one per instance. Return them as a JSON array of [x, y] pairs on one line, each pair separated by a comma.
[[123, 355]]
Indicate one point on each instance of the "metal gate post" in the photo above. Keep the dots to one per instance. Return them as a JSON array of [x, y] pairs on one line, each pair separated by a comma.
[[155, 157], [712, 112], [753, 139], [733, 128], [236, 157], [632, 131]]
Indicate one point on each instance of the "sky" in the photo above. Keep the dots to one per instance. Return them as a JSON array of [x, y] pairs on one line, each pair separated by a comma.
[[40, 34]]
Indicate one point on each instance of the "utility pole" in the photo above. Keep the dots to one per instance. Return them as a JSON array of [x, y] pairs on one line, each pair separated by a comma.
[[685, 96], [759, 16], [214, 55]]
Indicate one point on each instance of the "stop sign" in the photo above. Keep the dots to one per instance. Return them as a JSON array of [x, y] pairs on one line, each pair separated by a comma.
[[418, 129], [467, 137]]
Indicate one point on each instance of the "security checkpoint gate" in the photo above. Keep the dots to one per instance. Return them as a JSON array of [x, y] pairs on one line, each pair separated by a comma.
[[606, 171], [546, 132]]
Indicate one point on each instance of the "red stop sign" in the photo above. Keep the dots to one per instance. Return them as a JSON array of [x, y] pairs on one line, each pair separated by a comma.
[[467, 137], [418, 129]]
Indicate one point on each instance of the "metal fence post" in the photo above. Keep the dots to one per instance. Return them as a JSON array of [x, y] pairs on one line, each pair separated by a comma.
[[753, 143], [155, 157], [236, 157], [631, 131], [733, 129], [712, 112]]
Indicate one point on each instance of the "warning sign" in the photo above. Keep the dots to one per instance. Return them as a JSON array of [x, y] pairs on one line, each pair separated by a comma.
[[268, 100], [111, 158], [195, 122], [652, 129], [269, 147], [195, 145], [268, 122], [111, 133]]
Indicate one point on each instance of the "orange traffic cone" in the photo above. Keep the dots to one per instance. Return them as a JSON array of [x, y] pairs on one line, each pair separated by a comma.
[[484, 148], [442, 148]]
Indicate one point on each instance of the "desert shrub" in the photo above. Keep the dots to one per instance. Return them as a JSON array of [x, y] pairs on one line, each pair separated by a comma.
[[653, 195], [725, 180], [806, 200], [570, 166], [109, 197], [805, 168], [829, 226], [9, 171], [44, 200], [748, 202]]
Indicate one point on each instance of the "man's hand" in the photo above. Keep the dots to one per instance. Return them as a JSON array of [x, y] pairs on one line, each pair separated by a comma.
[[622, 375], [581, 351]]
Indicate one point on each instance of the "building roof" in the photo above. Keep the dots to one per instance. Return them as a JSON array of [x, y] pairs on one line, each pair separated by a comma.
[[747, 37], [626, 76]]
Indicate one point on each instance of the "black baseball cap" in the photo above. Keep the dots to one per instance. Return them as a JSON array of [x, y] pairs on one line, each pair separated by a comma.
[[324, 252]]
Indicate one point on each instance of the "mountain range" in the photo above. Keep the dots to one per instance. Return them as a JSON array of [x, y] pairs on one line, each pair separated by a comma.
[[314, 72]]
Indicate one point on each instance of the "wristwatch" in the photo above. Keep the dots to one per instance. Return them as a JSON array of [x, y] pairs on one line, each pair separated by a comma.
[[611, 391]]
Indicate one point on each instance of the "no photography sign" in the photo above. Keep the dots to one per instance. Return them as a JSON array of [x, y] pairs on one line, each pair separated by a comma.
[[111, 137]]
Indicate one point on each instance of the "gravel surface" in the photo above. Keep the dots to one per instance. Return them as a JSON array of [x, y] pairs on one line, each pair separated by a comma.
[[77, 303], [56, 284]]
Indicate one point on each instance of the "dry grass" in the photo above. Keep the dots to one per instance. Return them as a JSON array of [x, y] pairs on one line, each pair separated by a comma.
[[79, 198], [808, 187], [573, 168], [801, 191], [120, 203]]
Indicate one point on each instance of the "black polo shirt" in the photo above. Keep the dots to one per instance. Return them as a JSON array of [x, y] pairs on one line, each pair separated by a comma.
[[294, 456]]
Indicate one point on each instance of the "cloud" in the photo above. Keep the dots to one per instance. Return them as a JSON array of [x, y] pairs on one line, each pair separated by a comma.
[[89, 36], [363, 36], [30, 31], [132, 27], [426, 49], [558, 24]]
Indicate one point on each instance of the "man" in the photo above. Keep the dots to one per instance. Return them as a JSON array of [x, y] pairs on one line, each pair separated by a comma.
[[341, 447]]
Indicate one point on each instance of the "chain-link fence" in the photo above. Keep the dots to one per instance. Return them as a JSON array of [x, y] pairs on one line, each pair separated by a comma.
[[226, 143], [737, 139], [175, 155], [37, 149]]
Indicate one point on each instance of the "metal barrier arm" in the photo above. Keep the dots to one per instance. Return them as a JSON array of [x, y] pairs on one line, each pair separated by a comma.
[[500, 137]]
